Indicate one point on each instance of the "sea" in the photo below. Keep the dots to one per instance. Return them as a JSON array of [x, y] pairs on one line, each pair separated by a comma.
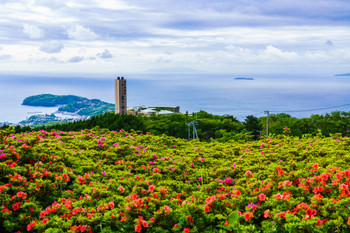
[[238, 95]]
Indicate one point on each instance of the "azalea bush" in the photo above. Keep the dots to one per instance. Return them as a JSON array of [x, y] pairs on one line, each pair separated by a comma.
[[96, 180]]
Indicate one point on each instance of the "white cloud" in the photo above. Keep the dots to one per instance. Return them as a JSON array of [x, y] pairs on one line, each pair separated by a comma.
[[33, 31], [105, 55], [5, 57], [274, 52], [79, 32], [113, 4], [76, 59], [52, 47]]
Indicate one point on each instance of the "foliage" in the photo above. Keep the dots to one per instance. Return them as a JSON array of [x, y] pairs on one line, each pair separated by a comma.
[[213, 127], [99, 180], [49, 100]]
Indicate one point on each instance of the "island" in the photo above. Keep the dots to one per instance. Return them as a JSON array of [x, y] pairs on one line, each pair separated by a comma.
[[347, 74], [243, 78], [68, 105]]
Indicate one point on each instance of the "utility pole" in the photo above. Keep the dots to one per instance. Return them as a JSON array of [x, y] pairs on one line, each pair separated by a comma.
[[195, 134], [267, 123]]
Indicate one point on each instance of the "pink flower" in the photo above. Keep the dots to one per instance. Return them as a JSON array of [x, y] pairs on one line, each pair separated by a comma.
[[121, 189], [104, 173], [83, 228], [111, 204], [279, 196], [166, 208], [249, 173], [253, 206]]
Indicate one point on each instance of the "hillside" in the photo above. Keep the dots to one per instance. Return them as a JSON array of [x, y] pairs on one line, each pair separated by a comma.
[[68, 105], [113, 181]]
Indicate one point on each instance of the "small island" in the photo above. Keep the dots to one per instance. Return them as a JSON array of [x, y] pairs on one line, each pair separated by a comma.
[[347, 74], [243, 78], [68, 105]]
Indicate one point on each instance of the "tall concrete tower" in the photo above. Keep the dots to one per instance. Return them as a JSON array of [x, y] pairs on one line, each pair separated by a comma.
[[120, 95]]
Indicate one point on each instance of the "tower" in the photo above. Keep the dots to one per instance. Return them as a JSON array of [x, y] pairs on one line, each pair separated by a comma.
[[120, 95]]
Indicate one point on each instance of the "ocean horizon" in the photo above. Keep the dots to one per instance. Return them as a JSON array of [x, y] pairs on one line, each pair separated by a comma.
[[237, 95]]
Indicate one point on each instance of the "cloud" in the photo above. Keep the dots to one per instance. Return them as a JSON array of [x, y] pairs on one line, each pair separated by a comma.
[[329, 43], [5, 57], [105, 55], [52, 47], [113, 4], [79, 32], [271, 51], [32, 31], [76, 59]]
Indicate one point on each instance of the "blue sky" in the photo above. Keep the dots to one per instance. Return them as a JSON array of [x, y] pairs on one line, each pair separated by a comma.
[[136, 36]]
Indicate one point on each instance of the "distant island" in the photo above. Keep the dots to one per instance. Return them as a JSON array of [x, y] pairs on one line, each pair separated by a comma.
[[68, 105], [348, 74], [243, 78]]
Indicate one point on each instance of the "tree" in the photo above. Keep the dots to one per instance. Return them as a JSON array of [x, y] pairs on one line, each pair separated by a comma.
[[252, 125]]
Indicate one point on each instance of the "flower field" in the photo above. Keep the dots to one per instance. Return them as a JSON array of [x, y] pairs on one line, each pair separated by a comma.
[[106, 181]]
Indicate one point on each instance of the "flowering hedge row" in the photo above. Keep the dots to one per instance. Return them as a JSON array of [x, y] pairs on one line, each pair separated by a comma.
[[104, 181]]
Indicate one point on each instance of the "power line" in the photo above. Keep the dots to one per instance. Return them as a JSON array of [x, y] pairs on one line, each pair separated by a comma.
[[310, 110], [257, 113]]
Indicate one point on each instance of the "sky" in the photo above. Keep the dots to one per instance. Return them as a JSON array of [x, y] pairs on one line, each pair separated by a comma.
[[136, 36]]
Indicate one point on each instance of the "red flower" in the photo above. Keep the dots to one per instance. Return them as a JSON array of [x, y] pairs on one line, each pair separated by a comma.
[[31, 226], [311, 212], [83, 228], [280, 171], [262, 197], [138, 228], [206, 209], [266, 214], [248, 216], [189, 218], [151, 188], [76, 210], [16, 206], [44, 221], [348, 221], [175, 226], [187, 230]]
